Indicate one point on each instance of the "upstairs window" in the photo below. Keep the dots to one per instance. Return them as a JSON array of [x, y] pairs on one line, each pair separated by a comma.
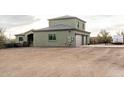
[[78, 25], [52, 36], [20, 38], [83, 26]]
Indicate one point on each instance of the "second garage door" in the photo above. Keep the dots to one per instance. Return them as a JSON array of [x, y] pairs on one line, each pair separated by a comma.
[[78, 40]]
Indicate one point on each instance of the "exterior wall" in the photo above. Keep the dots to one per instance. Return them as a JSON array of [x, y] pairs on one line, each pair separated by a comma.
[[63, 38], [17, 39], [41, 38], [81, 24], [70, 22]]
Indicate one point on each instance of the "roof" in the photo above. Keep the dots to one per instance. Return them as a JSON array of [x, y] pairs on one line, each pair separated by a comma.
[[59, 27], [22, 34], [66, 17]]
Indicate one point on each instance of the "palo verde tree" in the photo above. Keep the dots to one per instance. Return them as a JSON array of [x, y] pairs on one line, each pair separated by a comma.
[[104, 37]]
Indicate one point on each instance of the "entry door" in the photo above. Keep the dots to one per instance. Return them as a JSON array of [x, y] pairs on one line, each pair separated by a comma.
[[78, 40]]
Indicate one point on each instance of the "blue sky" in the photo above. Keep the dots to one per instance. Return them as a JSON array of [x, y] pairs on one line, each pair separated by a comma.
[[21, 23]]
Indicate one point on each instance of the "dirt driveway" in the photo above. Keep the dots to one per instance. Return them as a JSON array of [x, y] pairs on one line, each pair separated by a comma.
[[85, 61]]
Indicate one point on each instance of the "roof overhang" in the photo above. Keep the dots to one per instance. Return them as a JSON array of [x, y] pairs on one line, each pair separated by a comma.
[[71, 17], [23, 34], [19, 35], [62, 30], [67, 18]]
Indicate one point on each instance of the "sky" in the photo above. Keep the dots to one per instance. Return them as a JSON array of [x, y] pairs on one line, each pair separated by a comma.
[[99, 14], [16, 24], [19, 16]]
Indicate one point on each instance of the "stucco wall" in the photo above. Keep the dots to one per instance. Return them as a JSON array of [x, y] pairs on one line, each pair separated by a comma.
[[62, 38], [70, 22], [17, 39], [80, 24], [41, 38]]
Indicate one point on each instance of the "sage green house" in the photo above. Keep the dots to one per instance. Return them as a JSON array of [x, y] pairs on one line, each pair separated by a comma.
[[62, 31]]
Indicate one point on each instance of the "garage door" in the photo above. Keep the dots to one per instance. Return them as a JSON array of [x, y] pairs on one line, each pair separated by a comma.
[[84, 42], [78, 40]]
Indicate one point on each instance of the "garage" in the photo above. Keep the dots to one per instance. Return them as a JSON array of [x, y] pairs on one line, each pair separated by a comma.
[[84, 40], [78, 40]]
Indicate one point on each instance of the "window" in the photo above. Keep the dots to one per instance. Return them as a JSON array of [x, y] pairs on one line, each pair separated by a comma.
[[83, 26], [78, 25], [52, 36], [20, 38]]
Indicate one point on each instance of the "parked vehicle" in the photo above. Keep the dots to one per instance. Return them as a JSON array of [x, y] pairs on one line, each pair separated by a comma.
[[12, 45], [118, 39]]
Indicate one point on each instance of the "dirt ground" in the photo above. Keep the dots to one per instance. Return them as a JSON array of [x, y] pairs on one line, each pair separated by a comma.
[[62, 62]]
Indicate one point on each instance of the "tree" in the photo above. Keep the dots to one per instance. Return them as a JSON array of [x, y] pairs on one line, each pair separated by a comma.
[[120, 33], [2, 37], [104, 37]]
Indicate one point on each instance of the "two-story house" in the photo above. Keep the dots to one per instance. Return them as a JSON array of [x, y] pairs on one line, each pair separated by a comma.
[[62, 31]]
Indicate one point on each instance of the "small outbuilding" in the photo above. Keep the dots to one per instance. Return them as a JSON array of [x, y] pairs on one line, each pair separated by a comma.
[[62, 31]]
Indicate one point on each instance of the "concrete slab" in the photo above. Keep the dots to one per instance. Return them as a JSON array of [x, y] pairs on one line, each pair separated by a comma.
[[107, 46]]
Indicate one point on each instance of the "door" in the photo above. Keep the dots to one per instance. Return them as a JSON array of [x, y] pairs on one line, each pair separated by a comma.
[[78, 40]]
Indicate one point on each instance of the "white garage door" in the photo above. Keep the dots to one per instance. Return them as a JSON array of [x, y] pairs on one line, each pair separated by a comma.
[[78, 40], [84, 40]]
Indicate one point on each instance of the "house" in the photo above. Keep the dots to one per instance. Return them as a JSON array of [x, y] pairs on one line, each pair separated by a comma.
[[62, 31]]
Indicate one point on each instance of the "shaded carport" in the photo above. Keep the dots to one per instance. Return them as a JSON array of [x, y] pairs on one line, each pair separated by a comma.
[[30, 39]]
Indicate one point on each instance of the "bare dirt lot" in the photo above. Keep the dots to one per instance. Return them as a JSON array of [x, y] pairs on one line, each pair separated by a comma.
[[76, 62]]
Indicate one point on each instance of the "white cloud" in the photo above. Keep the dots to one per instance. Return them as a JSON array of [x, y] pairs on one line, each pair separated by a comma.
[[19, 24], [112, 23]]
